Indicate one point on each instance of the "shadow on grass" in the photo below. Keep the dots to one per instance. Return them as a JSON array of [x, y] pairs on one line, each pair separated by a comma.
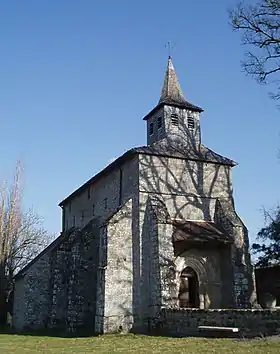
[[50, 333], [84, 333]]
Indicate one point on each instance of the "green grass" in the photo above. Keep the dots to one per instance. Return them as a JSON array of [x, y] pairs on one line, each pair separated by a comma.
[[11, 343]]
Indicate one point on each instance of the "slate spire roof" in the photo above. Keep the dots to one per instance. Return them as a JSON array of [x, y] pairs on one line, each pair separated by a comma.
[[171, 93], [171, 89]]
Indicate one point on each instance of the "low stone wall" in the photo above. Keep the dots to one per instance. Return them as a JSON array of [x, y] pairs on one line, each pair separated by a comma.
[[180, 322]]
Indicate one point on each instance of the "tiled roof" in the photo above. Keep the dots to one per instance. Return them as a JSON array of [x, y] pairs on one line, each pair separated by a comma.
[[199, 231], [201, 154]]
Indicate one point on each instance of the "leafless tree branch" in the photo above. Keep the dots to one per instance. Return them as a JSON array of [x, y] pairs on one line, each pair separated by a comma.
[[22, 236], [259, 25]]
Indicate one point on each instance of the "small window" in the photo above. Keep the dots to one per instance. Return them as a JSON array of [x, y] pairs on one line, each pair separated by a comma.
[[159, 122], [82, 215], [174, 119], [74, 221], [70, 205], [93, 209], [88, 193], [151, 129], [190, 123], [105, 203]]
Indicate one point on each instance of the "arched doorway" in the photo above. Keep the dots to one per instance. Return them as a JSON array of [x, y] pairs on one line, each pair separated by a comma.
[[189, 289]]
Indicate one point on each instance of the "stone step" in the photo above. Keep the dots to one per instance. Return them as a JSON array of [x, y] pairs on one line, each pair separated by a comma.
[[222, 329]]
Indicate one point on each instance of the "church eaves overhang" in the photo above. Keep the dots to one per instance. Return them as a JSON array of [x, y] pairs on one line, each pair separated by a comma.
[[199, 232], [203, 155], [169, 102]]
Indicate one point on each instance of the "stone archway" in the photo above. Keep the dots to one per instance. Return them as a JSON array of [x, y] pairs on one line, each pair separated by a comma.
[[207, 279], [189, 289]]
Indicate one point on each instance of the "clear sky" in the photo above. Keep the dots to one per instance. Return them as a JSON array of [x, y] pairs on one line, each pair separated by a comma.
[[76, 78]]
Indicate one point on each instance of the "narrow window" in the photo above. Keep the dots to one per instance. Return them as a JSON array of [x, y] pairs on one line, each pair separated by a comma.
[[93, 209], [190, 123], [159, 122], [82, 215], [174, 119], [70, 207], [105, 203], [88, 193], [74, 221], [151, 130]]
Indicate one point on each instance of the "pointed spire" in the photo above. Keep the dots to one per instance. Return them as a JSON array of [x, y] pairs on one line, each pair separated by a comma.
[[171, 93], [171, 90]]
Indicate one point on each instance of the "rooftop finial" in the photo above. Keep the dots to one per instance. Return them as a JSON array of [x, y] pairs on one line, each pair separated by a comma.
[[169, 48]]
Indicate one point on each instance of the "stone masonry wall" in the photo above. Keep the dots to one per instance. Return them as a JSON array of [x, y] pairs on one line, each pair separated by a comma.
[[194, 190], [118, 302], [19, 304], [74, 281], [180, 134], [178, 177], [32, 296], [187, 190], [244, 282], [251, 323], [174, 133], [104, 197], [157, 133], [58, 291]]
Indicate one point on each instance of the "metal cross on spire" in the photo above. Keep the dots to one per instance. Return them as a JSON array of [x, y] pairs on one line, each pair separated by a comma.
[[169, 47]]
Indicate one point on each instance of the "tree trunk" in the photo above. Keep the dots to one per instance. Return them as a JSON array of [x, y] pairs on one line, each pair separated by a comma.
[[3, 297]]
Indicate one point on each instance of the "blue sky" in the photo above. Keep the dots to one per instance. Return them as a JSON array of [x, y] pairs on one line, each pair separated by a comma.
[[78, 76]]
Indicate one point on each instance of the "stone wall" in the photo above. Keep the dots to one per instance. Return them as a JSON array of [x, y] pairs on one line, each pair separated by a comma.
[[58, 291], [157, 133], [180, 135], [19, 304], [174, 134], [175, 322], [244, 281], [118, 297], [104, 197], [32, 296], [184, 190], [74, 280], [180, 177]]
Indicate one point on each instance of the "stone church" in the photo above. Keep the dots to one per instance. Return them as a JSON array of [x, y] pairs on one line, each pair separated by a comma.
[[156, 228]]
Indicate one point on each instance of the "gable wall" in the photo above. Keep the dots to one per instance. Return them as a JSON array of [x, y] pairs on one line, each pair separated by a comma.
[[116, 187], [188, 188]]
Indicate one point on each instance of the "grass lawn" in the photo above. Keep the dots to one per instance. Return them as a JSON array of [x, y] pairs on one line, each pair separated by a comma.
[[10, 343]]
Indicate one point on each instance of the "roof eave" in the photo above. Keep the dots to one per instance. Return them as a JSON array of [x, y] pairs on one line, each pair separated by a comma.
[[119, 161], [174, 104], [227, 162]]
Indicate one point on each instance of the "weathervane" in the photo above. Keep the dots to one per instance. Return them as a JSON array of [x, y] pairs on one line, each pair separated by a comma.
[[169, 47]]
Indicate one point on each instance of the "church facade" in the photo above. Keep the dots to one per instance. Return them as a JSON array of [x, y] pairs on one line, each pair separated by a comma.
[[157, 228]]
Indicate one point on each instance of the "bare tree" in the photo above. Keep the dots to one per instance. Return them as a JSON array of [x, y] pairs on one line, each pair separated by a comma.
[[260, 28], [22, 237]]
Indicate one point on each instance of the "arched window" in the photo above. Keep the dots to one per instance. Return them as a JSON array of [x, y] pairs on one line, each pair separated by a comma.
[[189, 289]]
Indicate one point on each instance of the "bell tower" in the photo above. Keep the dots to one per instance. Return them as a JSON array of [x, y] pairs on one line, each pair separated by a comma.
[[174, 120]]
